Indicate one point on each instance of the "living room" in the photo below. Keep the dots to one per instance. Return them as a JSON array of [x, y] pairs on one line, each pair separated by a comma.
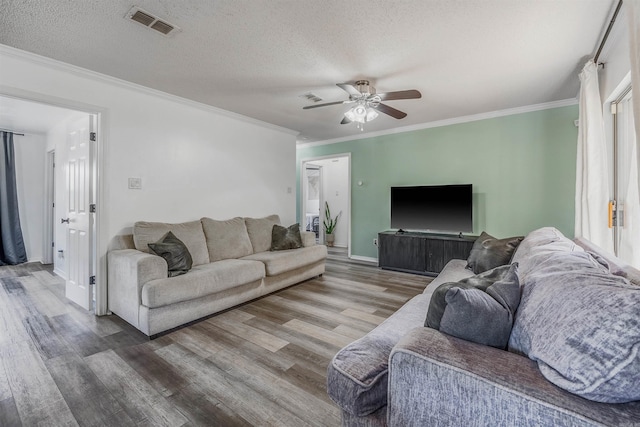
[[175, 147]]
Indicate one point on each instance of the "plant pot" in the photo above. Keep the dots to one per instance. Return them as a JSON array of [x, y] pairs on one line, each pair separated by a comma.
[[329, 239]]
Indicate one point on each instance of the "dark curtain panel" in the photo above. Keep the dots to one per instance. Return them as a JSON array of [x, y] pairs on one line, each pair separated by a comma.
[[12, 249]]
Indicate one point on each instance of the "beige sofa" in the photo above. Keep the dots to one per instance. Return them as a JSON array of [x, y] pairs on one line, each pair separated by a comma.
[[232, 264]]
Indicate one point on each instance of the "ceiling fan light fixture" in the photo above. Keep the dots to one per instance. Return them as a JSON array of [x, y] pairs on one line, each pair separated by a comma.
[[349, 115], [361, 113]]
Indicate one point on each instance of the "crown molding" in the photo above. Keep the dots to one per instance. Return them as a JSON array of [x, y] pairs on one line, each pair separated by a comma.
[[103, 78], [447, 122]]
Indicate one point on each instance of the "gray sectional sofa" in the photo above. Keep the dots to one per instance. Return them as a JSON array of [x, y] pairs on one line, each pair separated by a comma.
[[573, 350], [232, 264]]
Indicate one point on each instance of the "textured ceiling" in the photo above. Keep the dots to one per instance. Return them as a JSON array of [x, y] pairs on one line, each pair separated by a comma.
[[256, 57]]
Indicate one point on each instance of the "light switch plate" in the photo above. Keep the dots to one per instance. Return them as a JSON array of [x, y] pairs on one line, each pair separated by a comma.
[[135, 183]]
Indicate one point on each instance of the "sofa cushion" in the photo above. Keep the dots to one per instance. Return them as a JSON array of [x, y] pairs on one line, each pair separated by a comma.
[[488, 252], [283, 238], [278, 262], [174, 252], [190, 233], [260, 230], [200, 281], [483, 316], [226, 239], [582, 325], [537, 246]]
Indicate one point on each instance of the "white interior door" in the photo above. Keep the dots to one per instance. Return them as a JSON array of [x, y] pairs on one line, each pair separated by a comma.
[[79, 219]]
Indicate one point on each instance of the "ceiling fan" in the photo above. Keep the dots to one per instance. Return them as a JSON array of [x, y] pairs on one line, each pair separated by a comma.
[[368, 103]]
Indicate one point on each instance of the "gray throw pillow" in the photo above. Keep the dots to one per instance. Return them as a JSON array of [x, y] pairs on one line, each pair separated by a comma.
[[480, 308], [174, 252], [283, 238], [488, 252], [484, 317]]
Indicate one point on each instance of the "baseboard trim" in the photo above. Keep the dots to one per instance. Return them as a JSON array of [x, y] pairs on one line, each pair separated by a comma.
[[60, 273], [364, 259]]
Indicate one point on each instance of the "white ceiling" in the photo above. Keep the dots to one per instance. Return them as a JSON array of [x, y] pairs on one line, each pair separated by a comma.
[[256, 57]]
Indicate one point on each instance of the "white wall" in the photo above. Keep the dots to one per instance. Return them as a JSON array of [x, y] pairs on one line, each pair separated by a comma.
[[335, 186], [193, 160], [30, 159]]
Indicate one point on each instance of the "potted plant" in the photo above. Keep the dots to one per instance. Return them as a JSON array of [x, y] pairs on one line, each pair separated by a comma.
[[329, 224]]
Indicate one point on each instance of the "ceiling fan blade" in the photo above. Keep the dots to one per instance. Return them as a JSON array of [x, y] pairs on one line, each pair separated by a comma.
[[323, 105], [401, 94], [350, 89], [396, 114], [345, 121]]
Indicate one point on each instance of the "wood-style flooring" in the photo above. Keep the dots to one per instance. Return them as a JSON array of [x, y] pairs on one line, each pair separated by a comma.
[[262, 363]]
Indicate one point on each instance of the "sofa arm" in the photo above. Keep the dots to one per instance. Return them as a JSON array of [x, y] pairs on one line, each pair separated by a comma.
[[436, 379], [128, 271], [308, 238]]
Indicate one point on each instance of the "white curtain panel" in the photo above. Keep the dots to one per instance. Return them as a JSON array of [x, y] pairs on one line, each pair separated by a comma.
[[592, 172]]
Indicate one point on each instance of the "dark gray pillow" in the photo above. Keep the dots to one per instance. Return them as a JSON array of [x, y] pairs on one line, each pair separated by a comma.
[[484, 317], [488, 252], [506, 279], [283, 238], [174, 252]]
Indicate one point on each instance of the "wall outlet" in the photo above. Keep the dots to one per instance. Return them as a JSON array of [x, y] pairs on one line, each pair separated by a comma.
[[375, 242], [135, 183]]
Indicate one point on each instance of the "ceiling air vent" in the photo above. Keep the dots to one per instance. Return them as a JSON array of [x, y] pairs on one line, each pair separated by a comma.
[[150, 21], [311, 97]]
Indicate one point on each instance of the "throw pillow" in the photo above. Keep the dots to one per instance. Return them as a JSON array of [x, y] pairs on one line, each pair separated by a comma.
[[488, 252], [283, 238], [190, 233], [174, 252], [484, 317], [581, 324]]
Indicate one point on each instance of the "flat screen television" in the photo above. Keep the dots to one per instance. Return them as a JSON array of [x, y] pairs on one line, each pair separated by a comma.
[[446, 208]]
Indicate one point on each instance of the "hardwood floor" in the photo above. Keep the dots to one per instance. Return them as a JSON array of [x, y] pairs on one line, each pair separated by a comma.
[[263, 363]]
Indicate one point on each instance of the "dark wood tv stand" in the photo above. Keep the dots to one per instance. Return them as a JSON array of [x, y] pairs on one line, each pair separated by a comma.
[[421, 253]]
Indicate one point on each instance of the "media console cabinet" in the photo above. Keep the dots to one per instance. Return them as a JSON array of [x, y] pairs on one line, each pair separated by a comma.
[[421, 253]]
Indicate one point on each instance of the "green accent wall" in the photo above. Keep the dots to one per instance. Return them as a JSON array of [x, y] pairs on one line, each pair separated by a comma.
[[522, 168]]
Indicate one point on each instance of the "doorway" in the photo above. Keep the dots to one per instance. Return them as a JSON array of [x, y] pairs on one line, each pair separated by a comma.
[[50, 119], [333, 177], [312, 200]]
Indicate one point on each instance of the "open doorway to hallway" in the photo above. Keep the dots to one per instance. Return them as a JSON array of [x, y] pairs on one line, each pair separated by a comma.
[[326, 181], [51, 170]]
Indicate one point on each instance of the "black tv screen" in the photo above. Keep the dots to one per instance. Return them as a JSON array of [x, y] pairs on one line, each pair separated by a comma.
[[434, 208]]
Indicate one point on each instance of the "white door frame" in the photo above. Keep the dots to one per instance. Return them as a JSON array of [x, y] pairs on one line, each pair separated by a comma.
[[100, 222], [306, 160], [49, 214]]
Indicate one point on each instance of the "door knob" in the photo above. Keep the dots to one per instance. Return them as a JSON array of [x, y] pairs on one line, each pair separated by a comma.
[[63, 220]]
